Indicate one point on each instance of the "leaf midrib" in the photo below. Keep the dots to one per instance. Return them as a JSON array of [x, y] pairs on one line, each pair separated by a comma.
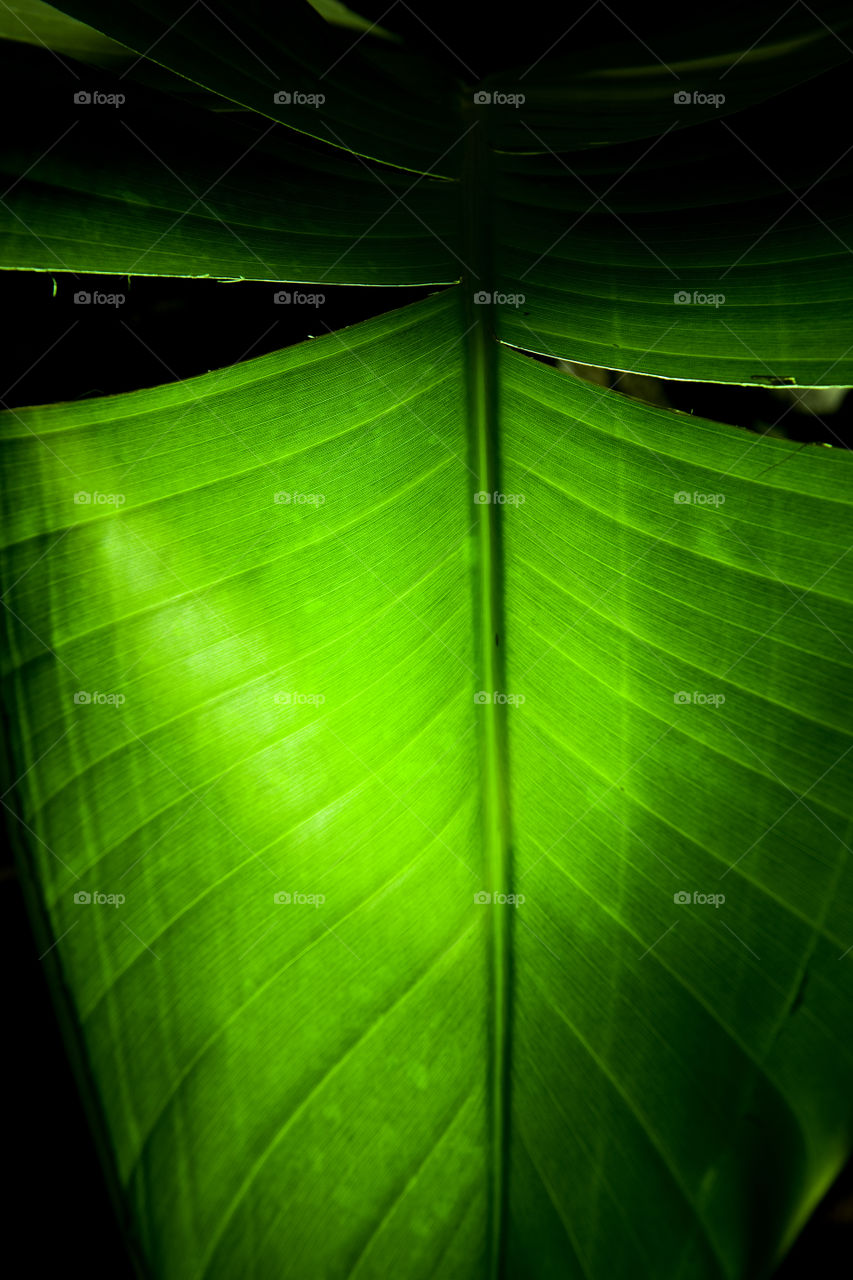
[[481, 356]]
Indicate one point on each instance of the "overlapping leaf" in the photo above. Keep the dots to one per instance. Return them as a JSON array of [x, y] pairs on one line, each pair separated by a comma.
[[715, 253], [155, 186], [379, 100]]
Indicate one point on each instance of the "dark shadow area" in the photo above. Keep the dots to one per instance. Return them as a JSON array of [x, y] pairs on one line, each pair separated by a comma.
[[479, 39], [58, 1209], [787, 413], [825, 1247], [165, 330]]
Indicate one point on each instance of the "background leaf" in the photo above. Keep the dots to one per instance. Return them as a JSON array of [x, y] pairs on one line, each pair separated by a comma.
[[181, 196], [377, 99]]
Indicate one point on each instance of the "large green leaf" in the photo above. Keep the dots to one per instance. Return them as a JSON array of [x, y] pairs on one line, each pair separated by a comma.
[[622, 679], [297, 1089]]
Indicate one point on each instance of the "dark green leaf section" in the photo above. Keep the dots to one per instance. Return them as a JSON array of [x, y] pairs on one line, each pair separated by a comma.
[[291, 1088], [625, 87], [681, 1092], [156, 187], [33, 22], [716, 253], [376, 98]]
